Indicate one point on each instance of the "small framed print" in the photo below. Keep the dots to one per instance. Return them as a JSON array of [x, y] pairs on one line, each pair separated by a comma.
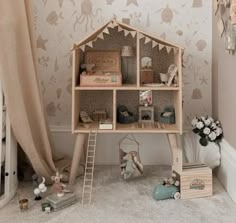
[[146, 114], [145, 97]]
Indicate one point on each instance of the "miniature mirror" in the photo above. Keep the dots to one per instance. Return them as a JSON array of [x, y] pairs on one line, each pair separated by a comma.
[[145, 97], [146, 63]]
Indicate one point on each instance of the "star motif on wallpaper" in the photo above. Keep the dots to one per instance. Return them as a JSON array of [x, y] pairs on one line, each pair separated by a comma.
[[41, 42], [132, 2], [203, 80]]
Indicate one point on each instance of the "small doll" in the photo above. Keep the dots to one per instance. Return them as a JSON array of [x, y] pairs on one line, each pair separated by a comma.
[[58, 187]]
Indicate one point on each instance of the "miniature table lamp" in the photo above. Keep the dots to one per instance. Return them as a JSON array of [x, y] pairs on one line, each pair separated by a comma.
[[127, 51]]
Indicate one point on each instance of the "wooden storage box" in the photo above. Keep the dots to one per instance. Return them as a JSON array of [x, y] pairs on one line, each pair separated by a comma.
[[107, 67], [195, 181], [111, 80]]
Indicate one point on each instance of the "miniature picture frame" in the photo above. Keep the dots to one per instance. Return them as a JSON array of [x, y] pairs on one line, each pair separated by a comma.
[[146, 114], [145, 97]]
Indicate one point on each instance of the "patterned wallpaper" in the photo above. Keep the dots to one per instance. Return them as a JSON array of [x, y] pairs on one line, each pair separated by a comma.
[[59, 23]]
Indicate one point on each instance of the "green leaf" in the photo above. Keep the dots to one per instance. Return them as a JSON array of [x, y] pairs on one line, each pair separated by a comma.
[[203, 141]]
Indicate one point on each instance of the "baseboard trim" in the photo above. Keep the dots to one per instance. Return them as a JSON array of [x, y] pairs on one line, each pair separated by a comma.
[[227, 171]]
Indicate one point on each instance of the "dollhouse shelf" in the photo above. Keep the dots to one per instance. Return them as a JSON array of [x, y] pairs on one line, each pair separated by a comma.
[[113, 36], [130, 87], [123, 128]]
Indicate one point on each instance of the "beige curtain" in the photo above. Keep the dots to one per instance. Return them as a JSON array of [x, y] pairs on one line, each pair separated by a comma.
[[20, 84]]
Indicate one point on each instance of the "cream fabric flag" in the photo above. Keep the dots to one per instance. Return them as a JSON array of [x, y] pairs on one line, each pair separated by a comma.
[[175, 50], [100, 36], [120, 29], [82, 47], [106, 30], [115, 24], [126, 32], [161, 46], [147, 40], [111, 25], [168, 49], [90, 44], [141, 36], [154, 44], [133, 33]]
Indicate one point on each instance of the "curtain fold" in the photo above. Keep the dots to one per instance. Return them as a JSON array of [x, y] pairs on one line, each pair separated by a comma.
[[22, 92]]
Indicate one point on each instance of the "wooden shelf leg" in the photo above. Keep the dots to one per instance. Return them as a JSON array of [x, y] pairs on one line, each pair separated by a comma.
[[176, 153], [78, 151]]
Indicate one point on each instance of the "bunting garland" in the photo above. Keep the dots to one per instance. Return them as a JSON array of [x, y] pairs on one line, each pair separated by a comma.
[[133, 33]]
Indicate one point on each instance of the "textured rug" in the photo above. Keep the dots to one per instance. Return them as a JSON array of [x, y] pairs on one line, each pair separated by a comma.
[[117, 201]]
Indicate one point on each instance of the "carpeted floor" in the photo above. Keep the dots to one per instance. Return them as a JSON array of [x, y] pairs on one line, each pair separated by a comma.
[[115, 201]]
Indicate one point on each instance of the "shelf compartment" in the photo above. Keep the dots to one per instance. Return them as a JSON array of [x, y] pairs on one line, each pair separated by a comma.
[[161, 60], [89, 101]]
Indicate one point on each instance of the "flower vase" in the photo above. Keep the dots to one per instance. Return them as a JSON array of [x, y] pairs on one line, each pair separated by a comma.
[[195, 152]]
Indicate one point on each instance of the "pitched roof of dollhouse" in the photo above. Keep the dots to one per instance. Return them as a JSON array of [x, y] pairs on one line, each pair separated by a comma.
[[93, 35]]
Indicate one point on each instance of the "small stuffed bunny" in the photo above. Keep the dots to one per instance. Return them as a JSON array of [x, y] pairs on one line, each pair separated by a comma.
[[58, 187]]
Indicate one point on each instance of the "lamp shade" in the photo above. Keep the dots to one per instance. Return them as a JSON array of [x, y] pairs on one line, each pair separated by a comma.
[[127, 51]]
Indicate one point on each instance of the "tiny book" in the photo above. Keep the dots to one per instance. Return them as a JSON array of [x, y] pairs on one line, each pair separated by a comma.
[[105, 124]]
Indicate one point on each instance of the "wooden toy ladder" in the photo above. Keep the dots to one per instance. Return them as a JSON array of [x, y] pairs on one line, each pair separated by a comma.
[[89, 168]]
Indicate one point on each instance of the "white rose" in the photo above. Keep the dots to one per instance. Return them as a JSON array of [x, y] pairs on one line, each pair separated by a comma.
[[213, 125], [212, 136], [206, 131], [194, 122], [207, 122], [211, 119], [200, 125], [203, 118], [218, 131]]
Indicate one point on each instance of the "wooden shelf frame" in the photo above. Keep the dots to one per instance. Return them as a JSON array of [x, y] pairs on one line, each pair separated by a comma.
[[172, 131]]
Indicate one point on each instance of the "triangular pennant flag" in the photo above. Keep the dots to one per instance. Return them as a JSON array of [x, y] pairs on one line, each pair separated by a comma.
[[110, 25], [82, 47], [147, 40], [106, 30], [154, 44], [126, 32], [141, 36], [120, 29], [115, 24], [175, 50], [90, 44], [100, 36], [94, 40], [133, 33], [168, 49], [161, 46]]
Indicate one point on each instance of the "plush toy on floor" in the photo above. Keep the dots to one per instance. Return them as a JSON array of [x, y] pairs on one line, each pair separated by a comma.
[[131, 165], [58, 187], [40, 189]]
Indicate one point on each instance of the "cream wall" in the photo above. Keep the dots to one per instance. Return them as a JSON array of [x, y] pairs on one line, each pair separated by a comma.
[[223, 87], [59, 23]]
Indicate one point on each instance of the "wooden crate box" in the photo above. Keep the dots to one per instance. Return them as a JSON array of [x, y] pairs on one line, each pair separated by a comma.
[[195, 181]]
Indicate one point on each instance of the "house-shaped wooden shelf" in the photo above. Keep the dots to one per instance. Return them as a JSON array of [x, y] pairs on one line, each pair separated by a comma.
[[111, 38]]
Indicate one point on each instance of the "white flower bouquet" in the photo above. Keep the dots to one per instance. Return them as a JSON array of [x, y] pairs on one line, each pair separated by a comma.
[[208, 129]]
